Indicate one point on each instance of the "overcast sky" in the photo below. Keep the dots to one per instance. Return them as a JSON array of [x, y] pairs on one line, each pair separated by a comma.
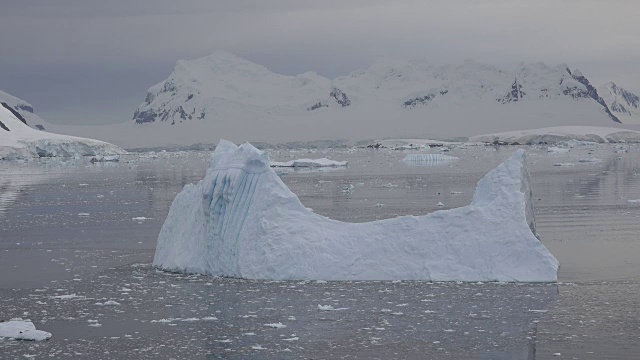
[[89, 61]]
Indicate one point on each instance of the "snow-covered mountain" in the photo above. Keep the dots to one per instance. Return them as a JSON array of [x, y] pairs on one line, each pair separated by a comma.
[[24, 110], [18, 140], [223, 86], [623, 103]]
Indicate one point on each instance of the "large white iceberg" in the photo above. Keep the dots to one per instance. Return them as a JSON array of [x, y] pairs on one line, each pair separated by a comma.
[[242, 221]]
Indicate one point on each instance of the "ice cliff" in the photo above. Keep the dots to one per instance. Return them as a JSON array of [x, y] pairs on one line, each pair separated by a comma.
[[242, 221]]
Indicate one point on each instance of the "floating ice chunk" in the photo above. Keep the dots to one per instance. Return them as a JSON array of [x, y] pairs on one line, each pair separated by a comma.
[[329, 308], [324, 162], [557, 150], [429, 159], [108, 303], [19, 329], [277, 325], [242, 221], [67, 297]]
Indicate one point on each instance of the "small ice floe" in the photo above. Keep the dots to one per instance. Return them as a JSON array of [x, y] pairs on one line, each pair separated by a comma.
[[103, 158], [277, 325], [83, 214], [108, 303], [557, 150], [67, 297], [439, 204], [166, 321], [324, 162], [19, 329], [329, 308], [564, 164]]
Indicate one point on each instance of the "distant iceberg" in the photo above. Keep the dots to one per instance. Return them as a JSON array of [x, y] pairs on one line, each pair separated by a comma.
[[242, 221], [429, 159], [324, 162]]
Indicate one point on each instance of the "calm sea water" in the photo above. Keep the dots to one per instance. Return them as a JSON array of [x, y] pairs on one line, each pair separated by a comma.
[[75, 235]]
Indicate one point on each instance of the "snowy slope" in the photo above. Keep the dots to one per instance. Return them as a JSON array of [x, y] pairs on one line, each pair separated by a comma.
[[242, 221], [623, 104], [223, 85], [24, 109], [18, 140]]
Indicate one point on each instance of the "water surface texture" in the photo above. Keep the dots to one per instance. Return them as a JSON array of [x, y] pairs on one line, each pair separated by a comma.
[[77, 240]]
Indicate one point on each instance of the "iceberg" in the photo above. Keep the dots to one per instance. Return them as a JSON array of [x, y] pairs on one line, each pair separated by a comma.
[[429, 159], [242, 221], [324, 162], [19, 329]]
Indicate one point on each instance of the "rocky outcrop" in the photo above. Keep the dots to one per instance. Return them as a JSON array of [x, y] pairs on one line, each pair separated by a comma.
[[340, 97], [591, 92]]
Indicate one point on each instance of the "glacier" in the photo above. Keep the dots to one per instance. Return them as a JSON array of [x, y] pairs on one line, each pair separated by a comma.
[[242, 221], [19, 141]]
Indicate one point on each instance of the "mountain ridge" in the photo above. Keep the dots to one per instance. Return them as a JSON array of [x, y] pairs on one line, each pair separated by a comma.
[[222, 85]]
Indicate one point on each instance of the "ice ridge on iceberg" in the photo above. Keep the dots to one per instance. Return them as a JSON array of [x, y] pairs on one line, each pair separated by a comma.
[[242, 221]]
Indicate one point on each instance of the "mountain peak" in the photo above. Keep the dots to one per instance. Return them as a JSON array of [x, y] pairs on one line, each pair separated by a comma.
[[223, 85]]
